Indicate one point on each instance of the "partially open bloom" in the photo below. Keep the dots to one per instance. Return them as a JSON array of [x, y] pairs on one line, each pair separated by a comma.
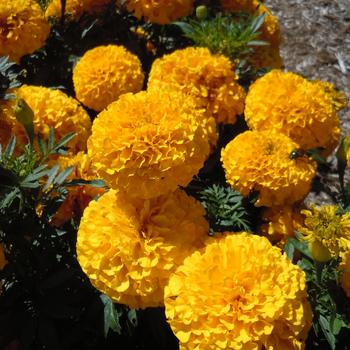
[[260, 162], [209, 78], [52, 109], [279, 223], [23, 28], [79, 196], [149, 143], [304, 110], [239, 292], [129, 248], [104, 73], [326, 231], [159, 11], [345, 272], [75, 8]]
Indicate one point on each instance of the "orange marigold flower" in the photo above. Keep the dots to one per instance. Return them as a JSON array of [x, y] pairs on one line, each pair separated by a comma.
[[104, 73], [129, 248], [75, 8], [279, 223], [302, 109], [79, 196], [149, 143], [345, 269], [326, 231], [260, 161], [239, 292], [52, 109], [160, 11], [270, 30], [23, 28], [207, 77]]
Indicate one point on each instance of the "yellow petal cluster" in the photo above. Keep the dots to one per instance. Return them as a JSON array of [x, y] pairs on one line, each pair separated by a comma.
[[270, 30], [104, 73], [52, 109], [279, 223], [345, 270], [327, 229], [130, 248], [79, 196], [149, 143], [260, 161], [207, 77], [304, 110], [23, 28], [160, 11], [238, 293], [75, 8]]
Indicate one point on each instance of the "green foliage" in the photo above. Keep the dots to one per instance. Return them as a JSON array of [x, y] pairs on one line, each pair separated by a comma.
[[227, 34], [225, 209], [10, 76], [331, 307]]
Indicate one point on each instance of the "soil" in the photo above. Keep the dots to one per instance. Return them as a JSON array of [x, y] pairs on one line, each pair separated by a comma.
[[316, 44]]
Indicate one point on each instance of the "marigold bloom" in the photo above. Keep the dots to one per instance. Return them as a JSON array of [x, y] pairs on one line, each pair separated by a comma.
[[238, 293], [52, 109], [279, 223], [208, 78], [302, 109], [104, 73], [129, 248], [160, 11], [149, 143], [79, 196], [345, 269], [75, 8], [23, 28], [270, 30], [260, 161], [325, 228]]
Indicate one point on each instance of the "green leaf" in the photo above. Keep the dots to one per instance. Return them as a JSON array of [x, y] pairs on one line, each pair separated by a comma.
[[51, 175], [325, 326], [257, 22], [10, 148], [301, 247], [63, 175], [42, 146], [289, 249], [111, 316], [25, 116], [82, 182], [64, 140]]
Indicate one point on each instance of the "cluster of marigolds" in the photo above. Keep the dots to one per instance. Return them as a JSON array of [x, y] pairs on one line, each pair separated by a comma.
[[145, 242]]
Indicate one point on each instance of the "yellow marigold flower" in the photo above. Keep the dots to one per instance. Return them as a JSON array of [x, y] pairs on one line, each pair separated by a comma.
[[23, 28], [238, 293], [279, 223], [149, 143], [345, 269], [270, 30], [160, 11], [104, 73], [260, 161], [3, 260], [129, 248], [75, 8], [79, 196], [302, 109], [52, 109], [326, 230], [208, 78]]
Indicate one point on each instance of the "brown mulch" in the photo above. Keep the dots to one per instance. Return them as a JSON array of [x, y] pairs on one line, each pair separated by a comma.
[[316, 44]]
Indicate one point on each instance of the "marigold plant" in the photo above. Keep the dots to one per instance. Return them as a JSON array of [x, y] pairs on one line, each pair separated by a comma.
[[129, 248], [326, 231], [208, 78], [75, 8], [104, 73], [23, 28], [304, 110], [159, 11], [52, 109], [149, 143], [261, 162], [238, 293]]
